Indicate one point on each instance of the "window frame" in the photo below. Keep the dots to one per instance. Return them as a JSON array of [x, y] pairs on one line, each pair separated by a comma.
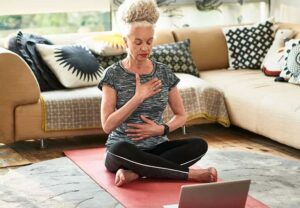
[[23, 7]]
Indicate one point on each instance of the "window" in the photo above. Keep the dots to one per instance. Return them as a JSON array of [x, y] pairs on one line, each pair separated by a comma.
[[54, 16], [181, 13]]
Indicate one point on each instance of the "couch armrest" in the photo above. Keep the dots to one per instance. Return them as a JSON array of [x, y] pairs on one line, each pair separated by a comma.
[[18, 86]]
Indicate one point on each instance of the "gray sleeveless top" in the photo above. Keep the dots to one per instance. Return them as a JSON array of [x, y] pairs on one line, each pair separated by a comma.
[[123, 81]]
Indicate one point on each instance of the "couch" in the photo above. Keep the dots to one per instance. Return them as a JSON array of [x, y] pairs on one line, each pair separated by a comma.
[[254, 101]]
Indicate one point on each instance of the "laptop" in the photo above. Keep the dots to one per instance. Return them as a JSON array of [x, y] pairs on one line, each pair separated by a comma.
[[232, 194]]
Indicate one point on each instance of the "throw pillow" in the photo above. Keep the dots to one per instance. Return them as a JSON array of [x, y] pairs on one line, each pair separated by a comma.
[[248, 45], [274, 61], [106, 61], [291, 70], [25, 46], [105, 44], [177, 56], [74, 65]]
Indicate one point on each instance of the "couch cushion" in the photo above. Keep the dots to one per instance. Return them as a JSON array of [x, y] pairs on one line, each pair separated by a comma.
[[208, 46], [257, 103]]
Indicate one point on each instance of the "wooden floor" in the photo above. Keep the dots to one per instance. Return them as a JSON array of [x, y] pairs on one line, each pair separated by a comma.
[[216, 135]]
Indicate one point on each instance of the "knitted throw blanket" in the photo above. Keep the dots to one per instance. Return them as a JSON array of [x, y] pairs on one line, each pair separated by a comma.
[[80, 108]]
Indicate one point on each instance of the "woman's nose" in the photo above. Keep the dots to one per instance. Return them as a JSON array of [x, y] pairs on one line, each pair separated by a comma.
[[144, 48]]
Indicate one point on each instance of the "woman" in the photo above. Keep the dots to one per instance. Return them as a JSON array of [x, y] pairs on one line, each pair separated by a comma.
[[136, 91]]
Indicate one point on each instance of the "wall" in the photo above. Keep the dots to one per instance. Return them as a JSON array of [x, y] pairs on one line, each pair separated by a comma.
[[286, 10]]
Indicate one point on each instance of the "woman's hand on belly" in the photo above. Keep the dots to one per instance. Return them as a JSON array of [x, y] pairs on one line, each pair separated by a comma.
[[139, 131]]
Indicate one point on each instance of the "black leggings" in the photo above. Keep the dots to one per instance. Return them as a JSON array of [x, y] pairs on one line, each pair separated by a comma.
[[170, 159]]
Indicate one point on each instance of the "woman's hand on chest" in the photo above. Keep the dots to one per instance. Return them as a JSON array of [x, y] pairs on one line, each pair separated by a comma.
[[147, 89]]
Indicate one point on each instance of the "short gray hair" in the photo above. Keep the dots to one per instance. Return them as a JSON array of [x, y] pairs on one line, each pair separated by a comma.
[[133, 11]]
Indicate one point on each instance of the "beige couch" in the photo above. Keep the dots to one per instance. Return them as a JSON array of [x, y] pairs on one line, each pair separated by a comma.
[[254, 102]]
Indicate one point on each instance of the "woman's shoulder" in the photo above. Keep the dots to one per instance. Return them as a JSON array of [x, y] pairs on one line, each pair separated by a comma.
[[162, 68], [166, 73], [112, 69], [110, 75]]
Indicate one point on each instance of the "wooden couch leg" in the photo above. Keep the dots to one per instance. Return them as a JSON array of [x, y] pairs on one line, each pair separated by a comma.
[[183, 130], [42, 143]]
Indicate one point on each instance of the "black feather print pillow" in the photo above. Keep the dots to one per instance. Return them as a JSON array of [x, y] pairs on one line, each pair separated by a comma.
[[74, 65]]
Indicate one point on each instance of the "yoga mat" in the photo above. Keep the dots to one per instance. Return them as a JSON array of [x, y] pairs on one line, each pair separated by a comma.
[[140, 193]]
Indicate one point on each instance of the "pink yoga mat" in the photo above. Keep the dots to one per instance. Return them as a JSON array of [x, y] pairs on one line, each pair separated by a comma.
[[140, 193]]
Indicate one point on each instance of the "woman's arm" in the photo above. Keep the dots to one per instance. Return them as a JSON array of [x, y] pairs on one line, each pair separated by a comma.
[[112, 118], [150, 128], [176, 105]]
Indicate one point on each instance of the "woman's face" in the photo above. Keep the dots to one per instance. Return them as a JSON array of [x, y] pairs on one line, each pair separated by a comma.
[[139, 41]]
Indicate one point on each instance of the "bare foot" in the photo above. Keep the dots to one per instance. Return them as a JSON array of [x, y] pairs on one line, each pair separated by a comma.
[[213, 174], [203, 175], [125, 176]]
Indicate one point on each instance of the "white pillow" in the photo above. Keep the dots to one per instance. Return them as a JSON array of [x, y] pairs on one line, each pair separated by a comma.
[[73, 65], [274, 61], [105, 44]]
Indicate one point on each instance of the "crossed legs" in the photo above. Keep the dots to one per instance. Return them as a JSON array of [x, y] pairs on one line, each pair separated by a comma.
[[169, 160]]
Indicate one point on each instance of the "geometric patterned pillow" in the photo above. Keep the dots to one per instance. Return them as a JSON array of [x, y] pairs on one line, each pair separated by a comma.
[[291, 70], [73, 65], [106, 61], [248, 45], [177, 56]]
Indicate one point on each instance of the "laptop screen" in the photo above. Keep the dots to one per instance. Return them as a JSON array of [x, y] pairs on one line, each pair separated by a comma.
[[214, 195]]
